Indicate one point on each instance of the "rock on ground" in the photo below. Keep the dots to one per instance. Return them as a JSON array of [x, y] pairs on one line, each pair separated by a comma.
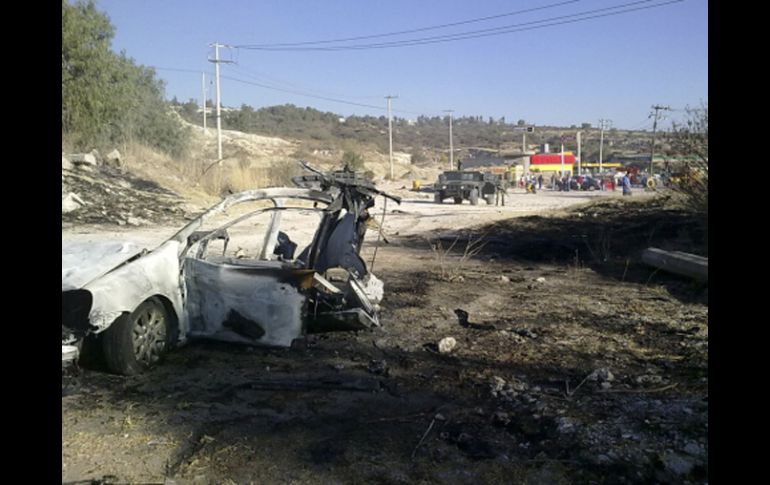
[[71, 202], [446, 345], [83, 159]]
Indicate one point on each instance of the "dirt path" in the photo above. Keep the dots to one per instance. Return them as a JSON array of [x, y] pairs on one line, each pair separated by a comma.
[[416, 214], [565, 371]]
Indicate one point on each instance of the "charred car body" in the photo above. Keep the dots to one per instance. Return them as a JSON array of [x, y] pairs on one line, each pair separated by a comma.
[[140, 303]]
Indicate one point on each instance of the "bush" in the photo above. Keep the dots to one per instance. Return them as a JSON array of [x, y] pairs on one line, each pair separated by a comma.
[[107, 98], [352, 160]]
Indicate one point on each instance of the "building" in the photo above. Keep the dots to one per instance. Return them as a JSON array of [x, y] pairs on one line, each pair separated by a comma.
[[551, 162]]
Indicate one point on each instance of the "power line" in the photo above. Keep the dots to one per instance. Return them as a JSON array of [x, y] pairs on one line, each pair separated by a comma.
[[305, 94], [325, 98], [262, 77], [299, 93], [640, 125], [507, 29], [196, 71], [422, 29]]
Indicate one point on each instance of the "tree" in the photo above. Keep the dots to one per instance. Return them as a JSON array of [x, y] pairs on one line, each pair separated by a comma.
[[108, 98], [189, 109], [86, 70], [689, 141], [521, 123]]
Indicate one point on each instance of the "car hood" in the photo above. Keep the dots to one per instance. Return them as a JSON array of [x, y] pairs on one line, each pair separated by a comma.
[[83, 262]]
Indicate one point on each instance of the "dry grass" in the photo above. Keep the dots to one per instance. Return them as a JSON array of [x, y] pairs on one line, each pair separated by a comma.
[[448, 265]]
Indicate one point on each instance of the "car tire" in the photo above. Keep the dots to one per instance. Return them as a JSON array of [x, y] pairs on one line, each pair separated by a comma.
[[438, 198], [474, 197], [458, 200], [137, 341]]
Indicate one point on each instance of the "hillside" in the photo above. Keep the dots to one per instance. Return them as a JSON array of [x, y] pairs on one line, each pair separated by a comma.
[[423, 136], [148, 186]]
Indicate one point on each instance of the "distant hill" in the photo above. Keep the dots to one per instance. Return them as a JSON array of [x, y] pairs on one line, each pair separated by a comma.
[[323, 130]]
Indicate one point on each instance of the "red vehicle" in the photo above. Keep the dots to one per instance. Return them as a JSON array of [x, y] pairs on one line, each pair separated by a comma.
[[635, 174]]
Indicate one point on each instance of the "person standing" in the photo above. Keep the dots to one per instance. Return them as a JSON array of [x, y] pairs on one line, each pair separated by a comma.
[[626, 183], [540, 181]]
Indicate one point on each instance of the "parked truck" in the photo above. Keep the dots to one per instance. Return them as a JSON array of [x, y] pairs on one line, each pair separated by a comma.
[[467, 185]]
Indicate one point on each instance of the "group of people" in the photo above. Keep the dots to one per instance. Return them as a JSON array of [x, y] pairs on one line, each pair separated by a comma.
[[531, 183], [562, 184]]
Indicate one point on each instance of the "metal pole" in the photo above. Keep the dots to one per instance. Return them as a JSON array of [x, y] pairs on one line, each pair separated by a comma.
[[654, 128], [580, 170], [451, 146], [390, 135], [601, 146], [562, 157], [219, 104], [603, 125], [203, 92], [216, 62]]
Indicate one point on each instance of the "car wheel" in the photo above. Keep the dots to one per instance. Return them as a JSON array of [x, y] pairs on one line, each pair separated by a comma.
[[474, 198], [458, 200], [136, 342]]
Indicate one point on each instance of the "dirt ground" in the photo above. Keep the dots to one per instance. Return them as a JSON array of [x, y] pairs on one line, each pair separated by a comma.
[[573, 363]]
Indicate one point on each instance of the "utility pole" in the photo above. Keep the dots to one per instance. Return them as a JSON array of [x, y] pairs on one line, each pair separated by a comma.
[[525, 129], [390, 133], [216, 62], [603, 125], [654, 128], [451, 146], [523, 143], [203, 92], [580, 170]]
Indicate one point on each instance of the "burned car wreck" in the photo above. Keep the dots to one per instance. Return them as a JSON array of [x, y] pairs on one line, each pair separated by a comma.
[[137, 304]]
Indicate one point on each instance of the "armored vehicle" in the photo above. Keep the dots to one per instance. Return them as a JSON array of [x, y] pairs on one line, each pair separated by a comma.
[[462, 185]]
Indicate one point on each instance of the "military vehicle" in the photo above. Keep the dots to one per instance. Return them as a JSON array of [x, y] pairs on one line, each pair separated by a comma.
[[470, 185]]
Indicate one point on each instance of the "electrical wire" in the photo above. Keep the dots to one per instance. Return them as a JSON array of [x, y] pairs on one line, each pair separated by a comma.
[[303, 94], [179, 70], [422, 29], [299, 93], [325, 98], [270, 79], [507, 29]]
